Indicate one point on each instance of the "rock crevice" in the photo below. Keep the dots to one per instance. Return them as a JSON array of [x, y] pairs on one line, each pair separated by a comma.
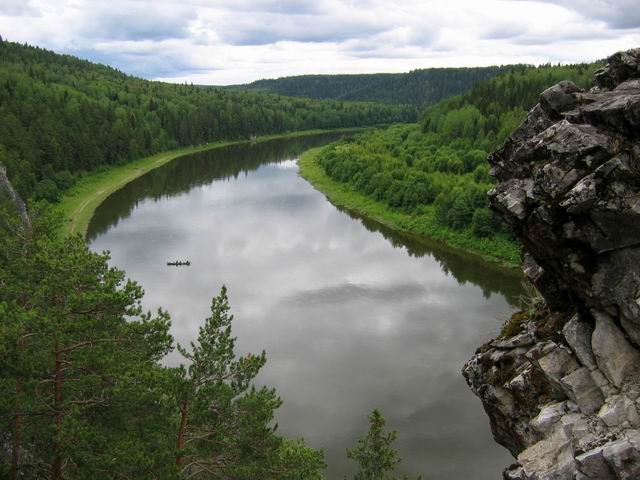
[[561, 386]]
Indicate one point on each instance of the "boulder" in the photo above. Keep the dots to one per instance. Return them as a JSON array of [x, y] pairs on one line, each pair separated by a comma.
[[617, 359], [592, 465], [578, 336], [620, 411], [549, 415], [580, 387], [558, 98], [556, 364], [623, 458]]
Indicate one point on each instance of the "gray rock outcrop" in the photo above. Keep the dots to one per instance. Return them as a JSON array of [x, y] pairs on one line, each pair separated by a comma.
[[7, 188], [561, 386]]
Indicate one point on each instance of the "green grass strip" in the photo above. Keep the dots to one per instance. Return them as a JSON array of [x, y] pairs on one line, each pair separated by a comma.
[[80, 201], [499, 249]]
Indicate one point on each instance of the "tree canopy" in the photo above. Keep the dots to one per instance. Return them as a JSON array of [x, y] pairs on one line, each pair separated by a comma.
[[60, 116], [437, 169], [419, 87]]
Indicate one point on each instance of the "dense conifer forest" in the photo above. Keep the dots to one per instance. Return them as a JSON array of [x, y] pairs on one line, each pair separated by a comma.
[[419, 87], [60, 115]]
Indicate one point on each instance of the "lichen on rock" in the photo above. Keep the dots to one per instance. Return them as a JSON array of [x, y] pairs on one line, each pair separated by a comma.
[[561, 386]]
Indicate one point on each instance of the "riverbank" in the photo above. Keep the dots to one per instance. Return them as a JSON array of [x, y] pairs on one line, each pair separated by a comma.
[[498, 249], [79, 203]]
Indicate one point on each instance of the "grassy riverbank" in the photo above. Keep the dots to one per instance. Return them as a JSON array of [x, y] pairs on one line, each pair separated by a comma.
[[497, 249], [79, 203]]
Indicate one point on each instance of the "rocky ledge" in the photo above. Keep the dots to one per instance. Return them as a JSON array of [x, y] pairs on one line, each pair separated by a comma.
[[561, 385]]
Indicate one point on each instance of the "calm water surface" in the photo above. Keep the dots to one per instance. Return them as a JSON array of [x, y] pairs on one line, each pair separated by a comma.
[[351, 316]]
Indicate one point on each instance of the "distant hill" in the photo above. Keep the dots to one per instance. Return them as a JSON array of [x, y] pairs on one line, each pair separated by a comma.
[[418, 87], [60, 116]]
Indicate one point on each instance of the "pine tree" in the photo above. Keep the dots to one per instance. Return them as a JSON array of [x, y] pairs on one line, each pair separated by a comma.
[[374, 452], [224, 426], [78, 349]]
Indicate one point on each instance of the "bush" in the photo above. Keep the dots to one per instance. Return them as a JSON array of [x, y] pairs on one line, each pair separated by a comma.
[[484, 223], [47, 190]]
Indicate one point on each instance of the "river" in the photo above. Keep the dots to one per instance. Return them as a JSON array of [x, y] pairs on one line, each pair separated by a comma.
[[351, 316]]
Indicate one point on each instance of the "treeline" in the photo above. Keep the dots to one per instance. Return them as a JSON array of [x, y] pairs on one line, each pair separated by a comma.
[[437, 170], [419, 87], [60, 115], [484, 116]]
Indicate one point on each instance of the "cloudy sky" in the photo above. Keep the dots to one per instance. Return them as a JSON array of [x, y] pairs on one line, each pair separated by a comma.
[[236, 41]]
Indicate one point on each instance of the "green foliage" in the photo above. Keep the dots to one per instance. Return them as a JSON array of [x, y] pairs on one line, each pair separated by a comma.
[[83, 393], [224, 429], [484, 222], [422, 222], [374, 452], [484, 116], [418, 87], [409, 171], [79, 351], [530, 299], [442, 165], [296, 461], [61, 116]]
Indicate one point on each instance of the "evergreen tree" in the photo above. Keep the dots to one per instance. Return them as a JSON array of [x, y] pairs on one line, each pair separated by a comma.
[[78, 349], [224, 429], [82, 392], [374, 452]]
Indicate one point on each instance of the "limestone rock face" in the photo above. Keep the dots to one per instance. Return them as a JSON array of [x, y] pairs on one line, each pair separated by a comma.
[[563, 392]]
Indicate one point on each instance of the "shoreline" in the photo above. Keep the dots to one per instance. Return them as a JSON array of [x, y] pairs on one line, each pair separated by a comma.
[[423, 226], [80, 202]]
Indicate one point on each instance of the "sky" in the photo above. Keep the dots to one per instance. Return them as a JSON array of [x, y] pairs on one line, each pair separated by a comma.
[[221, 42]]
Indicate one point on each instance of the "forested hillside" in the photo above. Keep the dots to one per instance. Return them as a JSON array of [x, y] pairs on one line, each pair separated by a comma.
[[437, 171], [60, 115], [418, 87]]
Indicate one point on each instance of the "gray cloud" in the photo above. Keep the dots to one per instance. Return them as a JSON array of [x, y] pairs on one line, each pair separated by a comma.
[[236, 41], [157, 62], [504, 32], [289, 7], [268, 28], [520, 36], [622, 14], [135, 21], [350, 292]]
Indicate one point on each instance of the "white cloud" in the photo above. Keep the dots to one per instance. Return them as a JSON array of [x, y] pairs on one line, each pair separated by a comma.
[[232, 41]]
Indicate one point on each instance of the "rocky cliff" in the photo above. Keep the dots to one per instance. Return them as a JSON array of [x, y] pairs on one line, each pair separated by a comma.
[[561, 385]]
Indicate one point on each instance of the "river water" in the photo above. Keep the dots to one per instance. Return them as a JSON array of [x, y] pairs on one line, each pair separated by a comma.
[[352, 316]]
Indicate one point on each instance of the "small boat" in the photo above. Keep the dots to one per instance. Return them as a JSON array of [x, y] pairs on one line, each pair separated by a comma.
[[179, 263]]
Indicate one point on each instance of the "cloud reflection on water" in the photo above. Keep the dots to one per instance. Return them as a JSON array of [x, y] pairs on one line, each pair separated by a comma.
[[351, 319]]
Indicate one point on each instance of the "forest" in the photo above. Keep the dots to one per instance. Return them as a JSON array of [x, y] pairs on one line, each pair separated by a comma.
[[437, 170], [61, 116], [420, 88]]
